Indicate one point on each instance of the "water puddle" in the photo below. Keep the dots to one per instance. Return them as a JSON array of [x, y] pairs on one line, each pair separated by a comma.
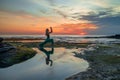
[[64, 65]]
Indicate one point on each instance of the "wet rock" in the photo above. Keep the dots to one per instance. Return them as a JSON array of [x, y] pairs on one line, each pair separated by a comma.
[[6, 52], [99, 70], [1, 45], [4, 47], [6, 55], [1, 39]]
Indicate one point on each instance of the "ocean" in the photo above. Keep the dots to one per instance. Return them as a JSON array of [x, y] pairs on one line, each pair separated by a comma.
[[68, 38]]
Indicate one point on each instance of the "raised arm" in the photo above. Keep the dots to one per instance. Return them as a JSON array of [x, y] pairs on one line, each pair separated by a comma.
[[50, 30]]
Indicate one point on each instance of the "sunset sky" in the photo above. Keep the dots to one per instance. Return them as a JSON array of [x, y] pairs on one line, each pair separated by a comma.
[[77, 17]]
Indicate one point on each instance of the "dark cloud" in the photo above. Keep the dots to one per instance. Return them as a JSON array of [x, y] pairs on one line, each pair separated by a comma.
[[108, 12], [108, 21], [61, 13], [43, 11], [107, 25]]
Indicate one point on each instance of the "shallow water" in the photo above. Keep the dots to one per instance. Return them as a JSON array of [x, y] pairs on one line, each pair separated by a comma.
[[64, 65]]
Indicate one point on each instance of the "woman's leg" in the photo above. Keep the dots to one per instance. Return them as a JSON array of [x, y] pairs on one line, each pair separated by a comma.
[[41, 45]]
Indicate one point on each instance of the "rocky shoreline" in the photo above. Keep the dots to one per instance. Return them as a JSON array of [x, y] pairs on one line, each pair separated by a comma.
[[104, 63], [11, 54]]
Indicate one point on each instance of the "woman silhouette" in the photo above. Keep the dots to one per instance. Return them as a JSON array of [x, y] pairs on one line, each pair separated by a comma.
[[47, 40], [48, 32]]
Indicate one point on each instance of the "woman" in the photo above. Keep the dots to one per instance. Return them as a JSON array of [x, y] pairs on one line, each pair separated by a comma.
[[47, 40]]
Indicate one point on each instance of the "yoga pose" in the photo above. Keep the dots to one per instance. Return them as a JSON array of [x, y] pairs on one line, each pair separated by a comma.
[[47, 40]]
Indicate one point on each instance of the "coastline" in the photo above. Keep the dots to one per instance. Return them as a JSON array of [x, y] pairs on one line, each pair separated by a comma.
[[104, 63], [23, 51], [98, 56]]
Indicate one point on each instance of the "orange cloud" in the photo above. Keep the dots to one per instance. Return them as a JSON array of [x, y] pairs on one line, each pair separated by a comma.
[[26, 24], [79, 28], [23, 24]]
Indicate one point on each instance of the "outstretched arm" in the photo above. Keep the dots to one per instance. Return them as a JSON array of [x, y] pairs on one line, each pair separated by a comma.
[[51, 30]]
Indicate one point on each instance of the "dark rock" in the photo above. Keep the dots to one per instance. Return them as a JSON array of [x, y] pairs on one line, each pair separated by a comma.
[[1, 39], [99, 70], [6, 51], [6, 47], [1, 44], [117, 36]]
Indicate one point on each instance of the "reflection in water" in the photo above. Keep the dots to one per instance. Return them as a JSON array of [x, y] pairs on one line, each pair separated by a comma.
[[48, 55], [47, 52], [41, 47], [65, 65]]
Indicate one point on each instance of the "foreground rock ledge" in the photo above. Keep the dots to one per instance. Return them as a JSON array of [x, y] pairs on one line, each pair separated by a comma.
[[10, 55]]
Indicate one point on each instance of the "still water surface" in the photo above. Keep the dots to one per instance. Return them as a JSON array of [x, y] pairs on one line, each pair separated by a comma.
[[64, 65]]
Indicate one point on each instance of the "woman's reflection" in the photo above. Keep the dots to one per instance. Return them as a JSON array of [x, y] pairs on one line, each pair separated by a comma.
[[48, 53]]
